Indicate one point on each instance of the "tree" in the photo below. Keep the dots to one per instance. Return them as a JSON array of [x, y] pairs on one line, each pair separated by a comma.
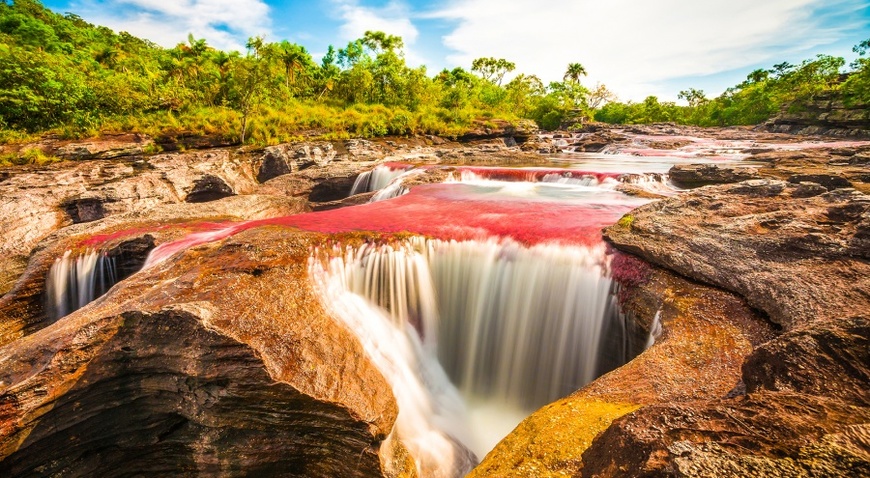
[[692, 96], [492, 69], [574, 72], [250, 83], [381, 42], [295, 59], [600, 96]]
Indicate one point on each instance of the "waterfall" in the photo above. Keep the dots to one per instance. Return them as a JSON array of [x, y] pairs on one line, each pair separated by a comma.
[[396, 187], [432, 419], [75, 281], [378, 178], [513, 327]]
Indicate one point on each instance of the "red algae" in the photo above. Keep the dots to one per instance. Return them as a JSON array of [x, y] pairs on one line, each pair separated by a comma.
[[99, 239], [442, 211]]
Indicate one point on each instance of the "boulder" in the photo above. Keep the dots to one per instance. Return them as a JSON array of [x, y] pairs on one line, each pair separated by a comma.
[[695, 175]]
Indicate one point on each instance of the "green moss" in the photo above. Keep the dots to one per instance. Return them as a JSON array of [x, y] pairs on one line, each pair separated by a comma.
[[626, 221], [27, 156]]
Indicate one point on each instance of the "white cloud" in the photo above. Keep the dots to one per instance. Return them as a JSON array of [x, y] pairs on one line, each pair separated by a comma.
[[224, 23], [634, 46], [393, 18]]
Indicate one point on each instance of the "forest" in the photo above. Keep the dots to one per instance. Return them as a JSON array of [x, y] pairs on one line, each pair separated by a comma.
[[61, 74]]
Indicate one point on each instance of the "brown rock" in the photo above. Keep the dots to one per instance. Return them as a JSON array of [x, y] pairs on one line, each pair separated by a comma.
[[695, 175], [790, 256], [219, 361]]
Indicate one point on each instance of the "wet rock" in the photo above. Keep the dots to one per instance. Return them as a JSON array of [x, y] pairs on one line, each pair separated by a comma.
[[127, 237], [801, 406], [829, 182], [695, 175]]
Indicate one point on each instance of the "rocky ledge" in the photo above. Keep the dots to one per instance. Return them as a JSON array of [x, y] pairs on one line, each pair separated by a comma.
[[799, 254]]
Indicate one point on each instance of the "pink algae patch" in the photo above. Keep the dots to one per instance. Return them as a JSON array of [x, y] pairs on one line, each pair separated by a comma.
[[529, 222], [99, 239], [435, 210]]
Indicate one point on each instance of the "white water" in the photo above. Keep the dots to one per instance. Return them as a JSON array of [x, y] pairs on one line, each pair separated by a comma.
[[432, 419], [75, 281], [514, 327], [396, 187], [376, 179]]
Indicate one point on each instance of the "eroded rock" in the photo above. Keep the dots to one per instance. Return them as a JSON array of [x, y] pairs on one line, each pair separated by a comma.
[[220, 361], [791, 256]]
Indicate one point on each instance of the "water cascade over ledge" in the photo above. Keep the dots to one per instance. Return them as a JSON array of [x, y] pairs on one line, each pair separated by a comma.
[[76, 280], [378, 178], [514, 327]]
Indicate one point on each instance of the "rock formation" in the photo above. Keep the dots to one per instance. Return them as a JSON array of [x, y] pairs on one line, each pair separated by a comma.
[[172, 373], [826, 113], [222, 360]]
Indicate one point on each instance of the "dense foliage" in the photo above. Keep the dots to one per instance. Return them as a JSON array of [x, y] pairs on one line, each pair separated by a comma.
[[763, 94], [59, 73]]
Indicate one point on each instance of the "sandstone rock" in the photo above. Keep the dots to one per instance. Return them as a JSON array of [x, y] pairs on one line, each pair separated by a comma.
[[104, 147], [129, 237], [804, 413], [276, 162], [790, 256], [220, 361], [801, 407], [694, 175], [761, 434], [829, 182], [826, 114]]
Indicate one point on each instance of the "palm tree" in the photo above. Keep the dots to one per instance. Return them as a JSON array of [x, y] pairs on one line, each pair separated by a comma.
[[293, 57], [574, 72]]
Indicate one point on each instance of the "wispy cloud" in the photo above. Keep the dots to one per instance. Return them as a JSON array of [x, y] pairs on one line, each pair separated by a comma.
[[634, 46], [224, 23]]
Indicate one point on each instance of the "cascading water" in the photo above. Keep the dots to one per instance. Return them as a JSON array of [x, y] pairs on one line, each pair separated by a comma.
[[378, 178], [432, 419], [75, 281], [514, 327]]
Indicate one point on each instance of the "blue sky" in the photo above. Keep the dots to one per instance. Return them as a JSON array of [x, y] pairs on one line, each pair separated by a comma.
[[635, 47]]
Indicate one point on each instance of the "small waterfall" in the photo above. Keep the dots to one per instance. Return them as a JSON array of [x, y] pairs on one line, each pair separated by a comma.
[[396, 187], [378, 178], [75, 281], [533, 175], [658, 183]]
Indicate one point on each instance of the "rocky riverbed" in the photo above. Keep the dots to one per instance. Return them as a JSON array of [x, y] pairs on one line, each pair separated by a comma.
[[221, 359]]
